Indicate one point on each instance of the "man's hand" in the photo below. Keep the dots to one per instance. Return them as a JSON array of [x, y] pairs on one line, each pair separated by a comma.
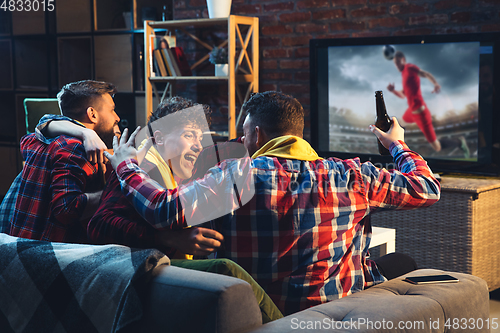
[[93, 199], [391, 87], [94, 147], [395, 133], [124, 149], [195, 241], [143, 151]]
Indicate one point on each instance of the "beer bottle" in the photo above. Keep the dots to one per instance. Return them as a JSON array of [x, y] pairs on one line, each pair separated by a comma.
[[383, 122]]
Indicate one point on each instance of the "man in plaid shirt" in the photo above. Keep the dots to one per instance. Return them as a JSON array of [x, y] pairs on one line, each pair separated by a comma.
[[304, 235], [62, 126], [60, 188]]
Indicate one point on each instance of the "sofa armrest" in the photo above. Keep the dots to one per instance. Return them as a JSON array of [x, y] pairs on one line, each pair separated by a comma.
[[184, 300], [426, 308]]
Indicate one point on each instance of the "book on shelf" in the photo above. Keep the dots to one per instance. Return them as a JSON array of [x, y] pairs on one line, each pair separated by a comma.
[[170, 57], [156, 70], [167, 62], [159, 64], [170, 61], [180, 58]]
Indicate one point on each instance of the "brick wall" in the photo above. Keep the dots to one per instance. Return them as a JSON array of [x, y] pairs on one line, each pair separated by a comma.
[[287, 26]]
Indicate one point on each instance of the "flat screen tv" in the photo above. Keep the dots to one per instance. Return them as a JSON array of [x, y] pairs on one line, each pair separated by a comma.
[[441, 88]]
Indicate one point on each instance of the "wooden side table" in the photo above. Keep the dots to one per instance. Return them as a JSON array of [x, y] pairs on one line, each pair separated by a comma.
[[459, 233]]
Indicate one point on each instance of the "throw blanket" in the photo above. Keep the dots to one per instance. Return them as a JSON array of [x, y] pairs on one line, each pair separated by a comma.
[[58, 287]]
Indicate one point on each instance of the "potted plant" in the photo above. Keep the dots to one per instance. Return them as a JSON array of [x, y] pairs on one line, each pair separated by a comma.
[[218, 57]]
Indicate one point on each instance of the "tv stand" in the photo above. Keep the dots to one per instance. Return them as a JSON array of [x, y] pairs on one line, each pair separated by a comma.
[[458, 233]]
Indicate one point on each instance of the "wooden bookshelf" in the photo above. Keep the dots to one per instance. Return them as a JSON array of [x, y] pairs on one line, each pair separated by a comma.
[[243, 55]]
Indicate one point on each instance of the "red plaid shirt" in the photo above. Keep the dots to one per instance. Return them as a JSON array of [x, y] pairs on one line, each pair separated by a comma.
[[117, 222], [51, 196], [303, 236]]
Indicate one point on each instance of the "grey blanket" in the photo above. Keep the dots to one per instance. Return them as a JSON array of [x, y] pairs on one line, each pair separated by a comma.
[[57, 287]]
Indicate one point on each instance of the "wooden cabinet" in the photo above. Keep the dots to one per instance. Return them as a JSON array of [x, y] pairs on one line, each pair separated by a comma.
[[243, 55]]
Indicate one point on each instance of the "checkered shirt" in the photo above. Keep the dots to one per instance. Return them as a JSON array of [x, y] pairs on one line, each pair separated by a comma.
[[303, 236], [9, 201], [51, 195]]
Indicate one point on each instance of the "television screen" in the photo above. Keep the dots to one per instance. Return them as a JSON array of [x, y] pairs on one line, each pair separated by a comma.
[[439, 87]]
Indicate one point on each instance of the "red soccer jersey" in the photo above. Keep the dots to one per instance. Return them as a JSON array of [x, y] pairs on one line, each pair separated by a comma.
[[411, 86]]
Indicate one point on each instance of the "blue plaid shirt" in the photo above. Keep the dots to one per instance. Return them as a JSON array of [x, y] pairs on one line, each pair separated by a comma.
[[9, 201]]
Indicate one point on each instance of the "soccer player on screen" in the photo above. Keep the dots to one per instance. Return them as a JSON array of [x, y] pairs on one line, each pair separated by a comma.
[[417, 111]]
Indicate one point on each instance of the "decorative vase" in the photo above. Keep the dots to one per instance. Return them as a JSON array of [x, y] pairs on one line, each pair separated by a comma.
[[221, 69], [218, 8]]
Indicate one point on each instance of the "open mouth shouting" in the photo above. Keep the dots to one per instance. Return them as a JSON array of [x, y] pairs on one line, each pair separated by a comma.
[[191, 158]]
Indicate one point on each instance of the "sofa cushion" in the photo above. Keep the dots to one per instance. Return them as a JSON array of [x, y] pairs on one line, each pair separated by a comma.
[[397, 305], [185, 300]]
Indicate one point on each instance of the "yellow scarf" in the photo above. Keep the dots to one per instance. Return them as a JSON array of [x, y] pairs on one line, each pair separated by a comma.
[[154, 157], [289, 147]]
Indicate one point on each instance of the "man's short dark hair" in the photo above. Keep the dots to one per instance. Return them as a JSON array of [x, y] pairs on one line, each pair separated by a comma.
[[399, 54], [174, 104], [276, 113], [74, 98]]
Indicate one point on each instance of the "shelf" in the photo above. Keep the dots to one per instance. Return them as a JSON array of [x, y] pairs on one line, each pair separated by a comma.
[[75, 59], [196, 23], [6, 82], [28, 23], [81, 39], [111, 15], [239, 78], [73, 16], [113, 60], [243, 61], [31, 64], [5, 23]]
